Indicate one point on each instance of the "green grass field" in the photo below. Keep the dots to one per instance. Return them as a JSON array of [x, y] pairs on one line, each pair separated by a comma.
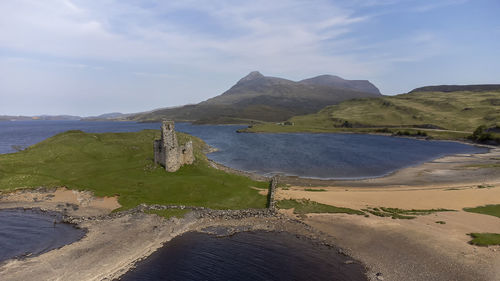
[[440, 115], [492, 210], [122, 164], [485, 239]]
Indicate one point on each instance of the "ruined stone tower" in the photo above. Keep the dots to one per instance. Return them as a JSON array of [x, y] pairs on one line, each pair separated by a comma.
[[167, 151]]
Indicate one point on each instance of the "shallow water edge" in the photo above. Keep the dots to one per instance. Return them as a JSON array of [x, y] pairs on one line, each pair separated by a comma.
[[32, 232]]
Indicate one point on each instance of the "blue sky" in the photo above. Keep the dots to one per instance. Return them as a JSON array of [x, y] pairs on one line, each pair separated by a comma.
[[87, 57]]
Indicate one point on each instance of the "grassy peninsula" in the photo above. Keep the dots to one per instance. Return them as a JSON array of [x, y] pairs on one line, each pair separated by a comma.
[[122, 164], [441, 115]]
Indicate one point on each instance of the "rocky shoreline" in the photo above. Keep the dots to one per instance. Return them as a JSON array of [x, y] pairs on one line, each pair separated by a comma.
[[119, 240]]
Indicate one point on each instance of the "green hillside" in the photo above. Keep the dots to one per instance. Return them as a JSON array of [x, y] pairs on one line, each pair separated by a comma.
[[122, 164], [452, 114]]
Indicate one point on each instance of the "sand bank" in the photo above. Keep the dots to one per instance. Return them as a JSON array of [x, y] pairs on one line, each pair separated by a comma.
[[453, 196], [416, 250], [71, 202]]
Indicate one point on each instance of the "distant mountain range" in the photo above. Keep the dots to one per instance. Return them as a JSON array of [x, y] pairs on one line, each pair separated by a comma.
[[256, 97], [102, 117], [38, 117], [106, 117]]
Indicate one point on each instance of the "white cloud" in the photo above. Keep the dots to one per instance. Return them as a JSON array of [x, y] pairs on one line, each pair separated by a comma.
[[146, 48], [261, 30]]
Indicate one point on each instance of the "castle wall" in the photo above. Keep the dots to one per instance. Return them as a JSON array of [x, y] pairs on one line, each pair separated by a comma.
[[186, 153], [159, 156], [271, 203], [167, 151]]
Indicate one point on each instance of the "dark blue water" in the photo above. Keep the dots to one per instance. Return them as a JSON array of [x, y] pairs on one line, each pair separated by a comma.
[[27, 232], [340, 156], [245, 256], [26, 133]]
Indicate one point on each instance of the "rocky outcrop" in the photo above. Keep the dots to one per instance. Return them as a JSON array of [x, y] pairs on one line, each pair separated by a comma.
[[168, 152]]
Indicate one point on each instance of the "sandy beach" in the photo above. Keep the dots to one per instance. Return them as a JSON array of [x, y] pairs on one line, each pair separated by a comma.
[[417, 249], [453, 196]]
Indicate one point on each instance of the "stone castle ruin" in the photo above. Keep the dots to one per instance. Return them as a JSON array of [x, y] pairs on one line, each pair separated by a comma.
[[167, 151]]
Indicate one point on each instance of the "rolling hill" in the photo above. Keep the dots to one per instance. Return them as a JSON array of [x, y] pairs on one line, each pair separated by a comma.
[[106, 117], [256, 97], [447, 112], [458, 88]]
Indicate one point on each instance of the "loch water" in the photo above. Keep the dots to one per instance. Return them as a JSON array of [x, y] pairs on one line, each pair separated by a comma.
[[246, 256], [30, 232], [328, 156], [25, 133], [325, 156]]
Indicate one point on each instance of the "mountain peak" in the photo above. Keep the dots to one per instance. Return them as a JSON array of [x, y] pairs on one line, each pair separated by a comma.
[[251, 76], [266, 98]]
